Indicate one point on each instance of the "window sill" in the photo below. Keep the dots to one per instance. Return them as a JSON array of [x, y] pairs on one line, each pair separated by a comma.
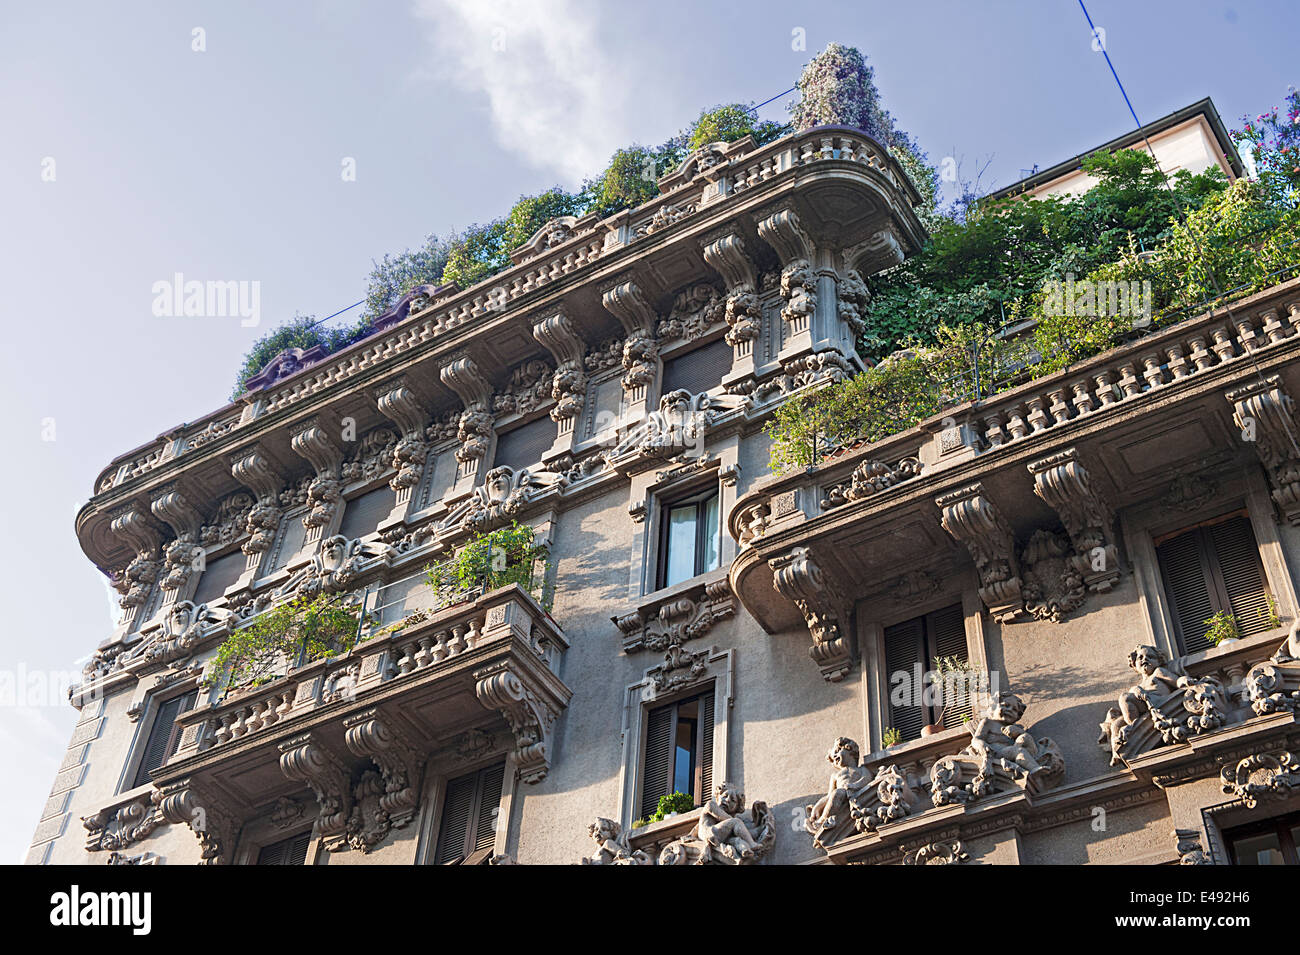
[[655, 615]]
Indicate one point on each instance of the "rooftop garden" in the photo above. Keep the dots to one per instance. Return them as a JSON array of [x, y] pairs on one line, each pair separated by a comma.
[[835, 87], [997, 296]]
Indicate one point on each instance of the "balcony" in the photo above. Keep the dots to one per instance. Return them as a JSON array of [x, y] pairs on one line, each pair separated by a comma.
[[375, 711], [1159, 418]]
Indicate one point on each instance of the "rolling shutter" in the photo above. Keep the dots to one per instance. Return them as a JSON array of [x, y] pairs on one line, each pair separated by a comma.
[[657, 776], [524, 446], [947, 630], [1213, 568], [218, 575], [698, 370], [158, 747], [362, 515], [904, 650], [291, 851]]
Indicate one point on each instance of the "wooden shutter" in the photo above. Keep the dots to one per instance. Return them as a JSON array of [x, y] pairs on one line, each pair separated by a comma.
[[658, 773], [698, 370], [706, 750], [218, 575], [291, 851], [457, 807], [1213, 568], [362, 515], [523, 447], [1242, 575], [158, 747], [469, 815], [904, 649], [1184, 567], [947, 631]]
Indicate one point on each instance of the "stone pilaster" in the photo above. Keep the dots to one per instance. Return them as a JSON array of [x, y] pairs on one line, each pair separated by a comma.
[[1265, 413], [725, 252]]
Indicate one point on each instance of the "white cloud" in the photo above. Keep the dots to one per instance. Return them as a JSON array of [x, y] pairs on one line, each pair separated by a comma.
[[556, 97]]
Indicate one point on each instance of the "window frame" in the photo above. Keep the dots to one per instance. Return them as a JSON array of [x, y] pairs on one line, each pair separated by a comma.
[[697, 694], [929, 712], [143, 740], [432, 839], [699, 499], [1281, 826]]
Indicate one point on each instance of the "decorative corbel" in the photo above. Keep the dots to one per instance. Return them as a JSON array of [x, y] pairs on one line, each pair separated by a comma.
[[133, 525], [1265, 414], [881, 251], [182, 803], [311, 441], [475, 427], [304, 758], [804, 289], [797, 577], [557, 334], [626, 302], [183, 555], [498, 687], [970, 517], [726, 253], [253, 469], [369, 734], [1065, 485], [399, 404]]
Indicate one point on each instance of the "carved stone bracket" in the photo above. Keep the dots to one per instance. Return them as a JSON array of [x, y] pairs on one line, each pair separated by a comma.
[[369, 734], [304, 758], [726, 253], [118, 827], [183, 555], [797, 577], [626, 302], [253, 469], [399, 404], [530, 717], [569, 383], [184, 802], [135, 581], [1065, 485], [1265, 414], [1189, 848], [937, 853], [970, 517], [474, 429], [324, 495]]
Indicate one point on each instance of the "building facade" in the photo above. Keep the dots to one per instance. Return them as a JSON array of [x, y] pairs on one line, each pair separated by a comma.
[[706, 627]]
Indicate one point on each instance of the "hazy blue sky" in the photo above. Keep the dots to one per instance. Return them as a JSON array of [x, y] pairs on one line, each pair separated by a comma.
[[225, 164]]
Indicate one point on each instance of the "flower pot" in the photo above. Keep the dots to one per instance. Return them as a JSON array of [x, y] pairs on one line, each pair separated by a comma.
[[931, 729]]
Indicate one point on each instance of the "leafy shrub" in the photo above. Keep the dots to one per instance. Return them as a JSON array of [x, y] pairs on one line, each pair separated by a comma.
[[507, 555], [301, 331], [673, 802]]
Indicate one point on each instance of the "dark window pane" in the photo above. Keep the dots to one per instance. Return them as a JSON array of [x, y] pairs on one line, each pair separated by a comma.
[[362, 515], [523, 447], [698, 370], [218, 575]]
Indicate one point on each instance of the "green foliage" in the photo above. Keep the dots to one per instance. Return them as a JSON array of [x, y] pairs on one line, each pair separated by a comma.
[[891, 737], [301, 629], [673, 802], [507, 555], [396, 275], [632, 176], [1269, 613], [299, 332], [482, 251], [1223, 626], [727, 123]]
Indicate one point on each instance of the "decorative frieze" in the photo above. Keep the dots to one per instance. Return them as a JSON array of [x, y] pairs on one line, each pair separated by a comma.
[[121, 826], [1164, 707], [695, 311], [1265, 413], [1262, 776], [937, 853], [676, 621], [970, 517], [868, 478], [797, 577]]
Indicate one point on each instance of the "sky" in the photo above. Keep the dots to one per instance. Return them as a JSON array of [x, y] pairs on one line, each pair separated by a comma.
[[291, 144]]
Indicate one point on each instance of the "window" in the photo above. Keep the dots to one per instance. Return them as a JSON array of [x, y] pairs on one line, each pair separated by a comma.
[[690, 540], [1211, 568], [1272, 842], [467, 832], [218, 575], [524, 446], [163, 736], [362, 514], [678, 752], [910, 649], [291, 851]]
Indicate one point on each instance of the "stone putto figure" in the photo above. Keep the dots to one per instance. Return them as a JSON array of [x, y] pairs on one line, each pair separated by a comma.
[[856, 800], [725, 835], [612, 847], [999, 749], [1164, 701]]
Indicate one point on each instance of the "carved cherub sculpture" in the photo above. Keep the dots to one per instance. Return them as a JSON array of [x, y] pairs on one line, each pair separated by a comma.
[[723, 835], [848, 782], [998, 737], [612, 847]]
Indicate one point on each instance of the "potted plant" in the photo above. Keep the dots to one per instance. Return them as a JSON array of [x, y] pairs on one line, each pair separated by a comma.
[[1222, 629], [956, 681], [891, 737], [671, 805], [498, 558]]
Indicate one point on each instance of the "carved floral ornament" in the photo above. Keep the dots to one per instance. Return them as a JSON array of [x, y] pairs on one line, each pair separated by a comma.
[[1001, 756], [1262, 776], [676, 621], [676, 430]]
